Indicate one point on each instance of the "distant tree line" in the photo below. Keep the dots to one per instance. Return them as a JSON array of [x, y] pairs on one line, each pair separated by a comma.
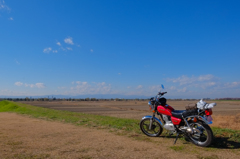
[[227, 99], [70, 99], [100, 99]]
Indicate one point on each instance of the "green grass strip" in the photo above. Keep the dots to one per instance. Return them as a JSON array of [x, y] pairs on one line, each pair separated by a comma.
[[71, 117]]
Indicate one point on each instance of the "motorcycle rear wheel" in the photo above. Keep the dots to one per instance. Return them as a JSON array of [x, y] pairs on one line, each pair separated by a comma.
[[203, 134], [156, 129]]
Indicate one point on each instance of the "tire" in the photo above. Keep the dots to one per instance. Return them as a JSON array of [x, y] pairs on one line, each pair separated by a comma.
[[156, 128], [203, 135]]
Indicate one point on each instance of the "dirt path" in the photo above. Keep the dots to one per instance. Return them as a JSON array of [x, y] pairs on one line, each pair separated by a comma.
[[24, 137]]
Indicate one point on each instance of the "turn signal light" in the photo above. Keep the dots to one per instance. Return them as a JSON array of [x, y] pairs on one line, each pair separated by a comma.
[[195, 119]]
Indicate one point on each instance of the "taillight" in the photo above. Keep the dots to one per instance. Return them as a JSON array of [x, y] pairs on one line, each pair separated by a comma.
[[208, 112]]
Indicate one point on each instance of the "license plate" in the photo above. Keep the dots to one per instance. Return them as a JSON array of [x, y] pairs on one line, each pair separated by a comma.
[[209, 118]]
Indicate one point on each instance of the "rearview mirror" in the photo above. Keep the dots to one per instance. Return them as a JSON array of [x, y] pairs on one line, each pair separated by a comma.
[[162, 86]]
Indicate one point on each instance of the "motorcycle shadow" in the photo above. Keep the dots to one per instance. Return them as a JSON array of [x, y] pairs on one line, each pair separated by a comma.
[[218, 142], [224, 143]]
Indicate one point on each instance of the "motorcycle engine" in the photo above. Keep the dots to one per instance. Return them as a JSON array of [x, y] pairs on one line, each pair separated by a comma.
[[168, 123]]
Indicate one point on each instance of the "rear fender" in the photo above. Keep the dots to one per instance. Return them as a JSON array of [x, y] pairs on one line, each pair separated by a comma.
[[199, 118], [150, 117]]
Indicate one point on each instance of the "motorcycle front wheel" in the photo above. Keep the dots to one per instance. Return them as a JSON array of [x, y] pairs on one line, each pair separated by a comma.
[[156, 129], [202, 135]]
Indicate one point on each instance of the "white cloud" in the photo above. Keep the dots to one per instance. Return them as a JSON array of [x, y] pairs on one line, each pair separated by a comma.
[[58, 43], [3, 6], [8, 92], [68, 40], [139, 87], [29, 85], [18, 83], [61, 87], [206, 85], [47, 50], [155, 88], [39, 85], [205, 77], [194, 83], [11, 18], [182, 90], [203, 86], [185, 80], [80, 83], [182, 80], [231, 85], [87, 88], [91, 50], [119, 73], [172, 88], [63, 49]]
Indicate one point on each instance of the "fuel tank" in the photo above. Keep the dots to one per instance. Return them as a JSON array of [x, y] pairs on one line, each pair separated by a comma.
[[166, 109]]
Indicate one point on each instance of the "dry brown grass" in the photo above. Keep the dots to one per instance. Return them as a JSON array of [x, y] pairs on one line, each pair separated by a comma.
[[22, 137], [26, 138], [230, 122]]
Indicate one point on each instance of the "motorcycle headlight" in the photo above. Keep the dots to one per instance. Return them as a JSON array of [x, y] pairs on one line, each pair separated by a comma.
[[150, 105]]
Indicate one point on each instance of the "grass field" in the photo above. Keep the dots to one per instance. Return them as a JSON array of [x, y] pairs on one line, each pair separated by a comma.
[[225, 139], [106, 122], [224, 114]]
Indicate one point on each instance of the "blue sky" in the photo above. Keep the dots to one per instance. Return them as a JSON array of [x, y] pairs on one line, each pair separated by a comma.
[[79, 47]]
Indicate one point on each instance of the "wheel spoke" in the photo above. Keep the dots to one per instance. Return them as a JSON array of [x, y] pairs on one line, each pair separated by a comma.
[[201, 134], [155, 129]]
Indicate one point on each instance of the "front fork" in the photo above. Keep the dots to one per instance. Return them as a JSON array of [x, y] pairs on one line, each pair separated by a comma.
[[151, 121]]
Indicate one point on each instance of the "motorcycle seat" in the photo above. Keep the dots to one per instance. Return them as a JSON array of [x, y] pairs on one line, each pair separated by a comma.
[[178, 113], [184, 113]]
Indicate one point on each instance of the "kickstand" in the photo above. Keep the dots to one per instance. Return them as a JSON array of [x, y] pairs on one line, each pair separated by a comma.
[[176, 139]]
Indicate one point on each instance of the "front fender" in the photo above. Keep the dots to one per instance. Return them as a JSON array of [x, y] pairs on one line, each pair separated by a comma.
[[150, 117]]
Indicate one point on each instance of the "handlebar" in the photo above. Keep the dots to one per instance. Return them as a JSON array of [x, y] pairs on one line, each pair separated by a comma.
[[162, 93]]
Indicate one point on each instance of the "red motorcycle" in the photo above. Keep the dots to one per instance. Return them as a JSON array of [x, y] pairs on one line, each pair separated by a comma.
[[193, 122]]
